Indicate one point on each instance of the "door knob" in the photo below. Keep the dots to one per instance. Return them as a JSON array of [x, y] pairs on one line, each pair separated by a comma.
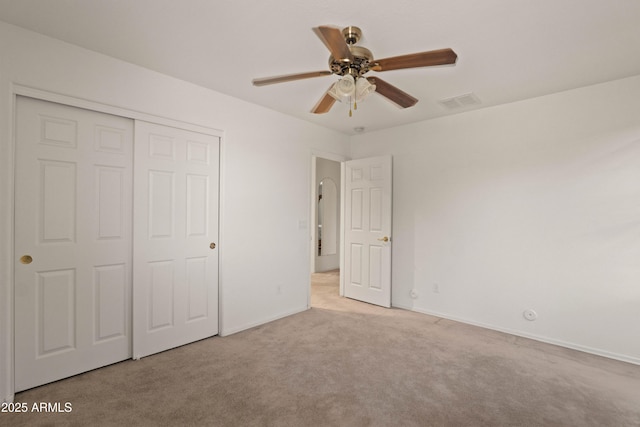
[[26, 259], [212, 245], [384, 239]]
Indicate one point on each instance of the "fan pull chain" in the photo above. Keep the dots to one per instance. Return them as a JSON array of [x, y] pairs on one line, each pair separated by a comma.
[[355, 106], [350, 113], [355, 99]]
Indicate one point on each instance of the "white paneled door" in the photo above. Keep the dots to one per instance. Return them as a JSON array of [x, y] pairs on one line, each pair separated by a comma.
[[92, 288], [73, 237], [367, 257], [175, 254]]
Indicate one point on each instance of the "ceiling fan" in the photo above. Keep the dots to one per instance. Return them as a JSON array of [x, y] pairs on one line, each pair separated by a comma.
[[353, 62]]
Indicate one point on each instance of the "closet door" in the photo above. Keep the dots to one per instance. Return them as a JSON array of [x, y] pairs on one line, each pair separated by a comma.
[[73, 237], [175, 255]]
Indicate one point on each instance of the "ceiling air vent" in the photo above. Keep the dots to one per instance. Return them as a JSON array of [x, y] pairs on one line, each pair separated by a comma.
[[460, 101]]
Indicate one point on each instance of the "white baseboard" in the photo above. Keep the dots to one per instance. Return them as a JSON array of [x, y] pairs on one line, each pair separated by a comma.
[[573, 346], [229, 331]]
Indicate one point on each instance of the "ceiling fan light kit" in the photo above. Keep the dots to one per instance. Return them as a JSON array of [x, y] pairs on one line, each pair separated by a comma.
[[344, 87], [348, 89], [353, 62], [363, 88]]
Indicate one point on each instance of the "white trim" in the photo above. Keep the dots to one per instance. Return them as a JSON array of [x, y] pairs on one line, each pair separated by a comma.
[[330, 156], [565, 344], [343, 198], [6, 344], [312, 223], [263, 321], [86, 104], [221, 240]]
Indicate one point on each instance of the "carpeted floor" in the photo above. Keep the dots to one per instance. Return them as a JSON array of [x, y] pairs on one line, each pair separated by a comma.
[[346, 363]]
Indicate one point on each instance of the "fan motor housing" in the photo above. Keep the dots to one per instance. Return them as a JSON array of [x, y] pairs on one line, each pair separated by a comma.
[[362, 60]]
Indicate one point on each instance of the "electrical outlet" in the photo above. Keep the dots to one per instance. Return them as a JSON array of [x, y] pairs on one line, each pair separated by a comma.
[[413, 294], [436, 288]]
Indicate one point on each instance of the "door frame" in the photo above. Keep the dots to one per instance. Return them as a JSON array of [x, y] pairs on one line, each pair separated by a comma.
[[7, 351], [315, 154]]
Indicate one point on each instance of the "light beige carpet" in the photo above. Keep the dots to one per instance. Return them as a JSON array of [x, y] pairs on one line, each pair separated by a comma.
[[346, 363]]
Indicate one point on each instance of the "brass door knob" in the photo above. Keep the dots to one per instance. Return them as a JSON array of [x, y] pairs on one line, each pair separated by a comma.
[[384, 239], [212, 245], [26, 259]]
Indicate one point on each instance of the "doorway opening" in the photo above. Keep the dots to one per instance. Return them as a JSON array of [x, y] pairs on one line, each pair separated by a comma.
[[326, 223]]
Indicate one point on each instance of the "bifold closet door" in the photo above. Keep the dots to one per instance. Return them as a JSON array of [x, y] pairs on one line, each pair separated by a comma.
[[73, 239], [175, 255]]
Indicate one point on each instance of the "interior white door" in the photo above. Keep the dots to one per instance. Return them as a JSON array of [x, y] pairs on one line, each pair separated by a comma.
[[175, 297], [73, 235], [367, 257]]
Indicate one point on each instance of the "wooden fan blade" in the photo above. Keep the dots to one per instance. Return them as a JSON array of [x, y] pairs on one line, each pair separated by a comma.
[[414, 60], [334, 40], [391, 92], [325, 103], [289, 77]]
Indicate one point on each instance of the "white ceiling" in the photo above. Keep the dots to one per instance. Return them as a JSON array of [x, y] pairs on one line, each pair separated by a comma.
[[508, 50]]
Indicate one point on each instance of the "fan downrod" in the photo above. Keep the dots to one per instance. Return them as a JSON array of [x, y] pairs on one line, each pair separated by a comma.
[[352, 35]]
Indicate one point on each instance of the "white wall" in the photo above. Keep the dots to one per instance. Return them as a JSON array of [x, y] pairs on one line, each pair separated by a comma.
[[531, 205], [326, 168], [265, 238]]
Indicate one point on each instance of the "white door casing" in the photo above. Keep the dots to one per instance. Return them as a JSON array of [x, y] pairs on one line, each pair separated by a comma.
[[176, 180], [367, 247], [73, 219]]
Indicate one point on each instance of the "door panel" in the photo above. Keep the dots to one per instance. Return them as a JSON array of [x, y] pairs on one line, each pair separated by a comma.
[[73, 218], [111, 296], [55, 312], [175, 258], [367, 224]]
